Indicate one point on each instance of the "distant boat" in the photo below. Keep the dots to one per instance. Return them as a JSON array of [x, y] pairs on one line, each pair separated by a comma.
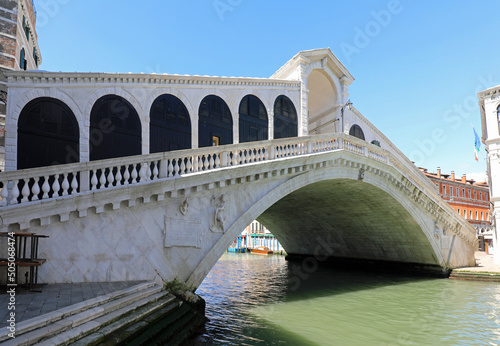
[[237, 249], [261, 250]]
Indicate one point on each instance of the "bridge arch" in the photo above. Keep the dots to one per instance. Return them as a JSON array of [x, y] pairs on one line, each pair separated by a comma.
[[322, 102], [169, 125], [253, 119], [48, 134], [215, 122], [409, 236], [115, 129], [285, 118]]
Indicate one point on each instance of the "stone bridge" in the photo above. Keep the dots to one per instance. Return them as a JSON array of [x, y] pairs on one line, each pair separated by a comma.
[[173, 214]]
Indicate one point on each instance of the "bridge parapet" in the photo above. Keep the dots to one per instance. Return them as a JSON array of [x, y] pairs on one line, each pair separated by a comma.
[[30, 185]]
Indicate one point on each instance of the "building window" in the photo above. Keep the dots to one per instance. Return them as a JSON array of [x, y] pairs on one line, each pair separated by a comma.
[[22, 60], [465, 213], [444, 189], [463, 193], [470, 196], [476, 215], [470, 214], [475, 195], [451, 191], [35, 57], [458, 192], [482, 216], [357, 132], [458, 210]]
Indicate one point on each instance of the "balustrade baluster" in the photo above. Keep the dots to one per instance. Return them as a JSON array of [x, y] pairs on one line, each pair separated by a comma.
[[189, 165], [118, 176], [143, 172], [196, 163], [183, 166], [102, 179], [148, 172], [65, 185], [205, 162], [252, 155], [35, 189], [212, 162], [74, 184], [176, 167], [217, 160], [93, 180], [134, 174], [56, 187], [155, 170], [126, 175], [15, 192], [170, 168], [25, 191], [45, 187], [4, 193]]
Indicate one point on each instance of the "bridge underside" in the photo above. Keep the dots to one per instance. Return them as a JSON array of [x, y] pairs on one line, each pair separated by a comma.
[[344, 218]]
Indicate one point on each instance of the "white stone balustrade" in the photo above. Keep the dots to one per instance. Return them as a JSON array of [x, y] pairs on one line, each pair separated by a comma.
[[25, 186]]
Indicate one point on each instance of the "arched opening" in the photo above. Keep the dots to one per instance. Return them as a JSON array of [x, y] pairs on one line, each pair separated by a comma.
[[169, 126], [115, 129], [253, 122], [285, 118], [48, 134], [322, 99], [215, 122], [356, 131]]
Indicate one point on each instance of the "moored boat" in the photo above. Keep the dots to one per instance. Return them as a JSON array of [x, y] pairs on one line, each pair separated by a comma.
[[237, 249], [261, 250]]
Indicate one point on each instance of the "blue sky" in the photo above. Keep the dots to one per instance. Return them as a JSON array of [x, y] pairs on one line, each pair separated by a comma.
[[418, 64]]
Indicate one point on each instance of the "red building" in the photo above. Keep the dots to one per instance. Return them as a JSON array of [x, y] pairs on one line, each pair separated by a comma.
[[469, 198]]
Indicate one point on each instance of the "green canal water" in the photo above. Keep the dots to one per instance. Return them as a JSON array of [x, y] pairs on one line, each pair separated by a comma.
[[264, 300]]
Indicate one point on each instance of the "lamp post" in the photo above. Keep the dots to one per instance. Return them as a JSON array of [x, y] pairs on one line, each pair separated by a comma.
[[348, 104]]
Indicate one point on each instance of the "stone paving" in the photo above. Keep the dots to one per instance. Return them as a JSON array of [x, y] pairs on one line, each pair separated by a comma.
[[484, 263], [54, 296]]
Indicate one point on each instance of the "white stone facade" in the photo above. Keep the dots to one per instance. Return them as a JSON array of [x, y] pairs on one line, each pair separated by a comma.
[[315, 81], [489, 103]]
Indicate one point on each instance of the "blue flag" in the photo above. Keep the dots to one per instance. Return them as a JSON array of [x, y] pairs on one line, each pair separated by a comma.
[[477, 144]]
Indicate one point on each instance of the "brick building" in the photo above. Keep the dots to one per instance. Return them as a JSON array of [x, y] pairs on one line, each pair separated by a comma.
[[469, 198], [18, 48]]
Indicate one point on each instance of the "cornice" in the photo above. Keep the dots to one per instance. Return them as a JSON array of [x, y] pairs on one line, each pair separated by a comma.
[[20, 78]]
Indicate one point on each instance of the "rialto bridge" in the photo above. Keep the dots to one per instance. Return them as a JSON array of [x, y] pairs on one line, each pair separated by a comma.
[[140, 177]]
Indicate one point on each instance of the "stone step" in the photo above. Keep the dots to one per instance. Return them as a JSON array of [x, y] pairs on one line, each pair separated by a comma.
[[475, 276], [123, 329], [98, 328], [73, 316], [53, 316]]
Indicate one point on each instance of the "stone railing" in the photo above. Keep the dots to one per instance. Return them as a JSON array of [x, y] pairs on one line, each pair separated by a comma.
[[25, 186]]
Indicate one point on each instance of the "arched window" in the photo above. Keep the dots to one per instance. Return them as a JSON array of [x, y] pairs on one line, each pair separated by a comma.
[[215, 122], [48, 134], [169, 126], [253, 123], [357, 132], [22, 60], [285, 118], [115, 129]]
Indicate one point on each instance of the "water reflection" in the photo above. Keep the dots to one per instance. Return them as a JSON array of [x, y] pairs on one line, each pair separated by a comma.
[[251, 301]]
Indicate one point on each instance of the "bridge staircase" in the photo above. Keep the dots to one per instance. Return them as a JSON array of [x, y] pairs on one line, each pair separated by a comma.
[[142, 314]]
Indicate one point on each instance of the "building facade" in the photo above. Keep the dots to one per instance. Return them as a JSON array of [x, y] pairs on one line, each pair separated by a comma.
[[489, 105], [470, 199], [18, 49]]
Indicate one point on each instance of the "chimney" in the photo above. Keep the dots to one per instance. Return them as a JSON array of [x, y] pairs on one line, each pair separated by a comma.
[[439, 172], [452, 175], [464, 179]]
